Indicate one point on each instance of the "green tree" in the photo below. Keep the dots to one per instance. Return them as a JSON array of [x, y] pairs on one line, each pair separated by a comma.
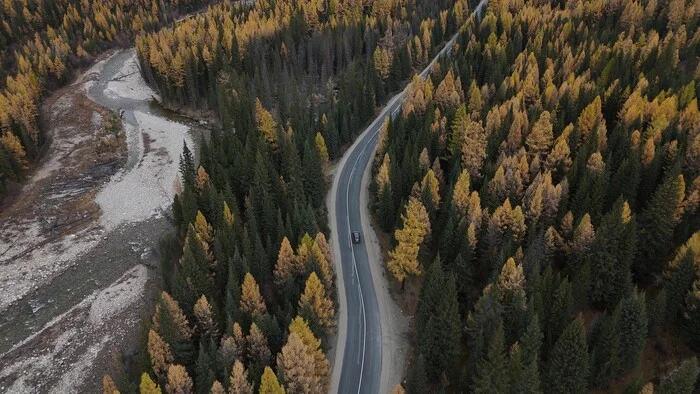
[[567, 369], [656, 225], [492, 369], [680, 380]]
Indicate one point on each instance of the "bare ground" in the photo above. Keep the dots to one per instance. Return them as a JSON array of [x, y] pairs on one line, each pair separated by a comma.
[[77, 242]]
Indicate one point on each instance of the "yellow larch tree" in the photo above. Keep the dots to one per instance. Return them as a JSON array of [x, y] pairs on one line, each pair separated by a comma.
[[159, 353], [266, 123], [298, 367], [321, 369], [269, 383], [314, 298], [286, 263], [239, 380], [148, 386], [179, 381], [403, 260], [251, 300]]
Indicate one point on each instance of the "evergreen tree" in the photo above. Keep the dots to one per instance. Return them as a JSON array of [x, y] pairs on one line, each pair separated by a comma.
[[491, 371], [417, 381], [656, 225], [567, 369], [680, 380]]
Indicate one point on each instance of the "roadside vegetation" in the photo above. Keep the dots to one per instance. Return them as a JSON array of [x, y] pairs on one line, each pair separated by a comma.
[[249, 303], [542, 189]]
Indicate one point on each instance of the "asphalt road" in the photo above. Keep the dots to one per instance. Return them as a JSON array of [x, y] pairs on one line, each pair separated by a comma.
[[362, 359]]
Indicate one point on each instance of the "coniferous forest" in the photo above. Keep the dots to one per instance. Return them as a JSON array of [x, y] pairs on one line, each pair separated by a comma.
[[537, 195], [542, 185], [249, 303]]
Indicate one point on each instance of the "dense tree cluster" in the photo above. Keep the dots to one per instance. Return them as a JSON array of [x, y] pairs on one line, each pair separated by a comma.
[[250, 303], [553, 160], [40, 44]]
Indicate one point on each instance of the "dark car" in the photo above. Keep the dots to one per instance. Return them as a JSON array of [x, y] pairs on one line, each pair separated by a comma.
[[356, 237]]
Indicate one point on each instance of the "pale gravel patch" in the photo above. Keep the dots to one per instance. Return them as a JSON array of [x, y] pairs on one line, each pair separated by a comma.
[[146, 190], [129, 84], [71, 381], [40, 265], [119, 296], [63, 358]]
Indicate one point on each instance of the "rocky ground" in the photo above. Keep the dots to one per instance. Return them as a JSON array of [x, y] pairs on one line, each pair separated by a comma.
[[78, 243]]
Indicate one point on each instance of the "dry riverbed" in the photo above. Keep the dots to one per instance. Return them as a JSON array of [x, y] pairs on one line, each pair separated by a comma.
[[78, 244]]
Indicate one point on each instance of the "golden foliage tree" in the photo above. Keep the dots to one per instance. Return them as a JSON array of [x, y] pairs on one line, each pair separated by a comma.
[[266, 123], [473, 148], [159, 353], [314, 297], [298, 367], [179, 381], [239, 380], [269, 383], [403, 260], [148, 386], [286, 263], [251, 300]]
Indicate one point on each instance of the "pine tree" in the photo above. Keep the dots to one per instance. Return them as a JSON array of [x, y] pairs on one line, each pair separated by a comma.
[[159, 353], [631, 324], [473, 149], [204, 369], [314, 297], [320, 369], [171, 324], [540, 138], [457, 128], [266, 124], [404, 258], [297, 367], [612, 255], [217, 388], [491, 370], [148, 386], [239, 380], [179, 381], [252, 302], [269, 383], [258, 349], [523, 378], [205, 318], [460, 194], [286, 263], [567, 370], [656, 225]]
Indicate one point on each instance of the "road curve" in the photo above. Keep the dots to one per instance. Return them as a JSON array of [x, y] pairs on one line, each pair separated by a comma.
[[358, 359]]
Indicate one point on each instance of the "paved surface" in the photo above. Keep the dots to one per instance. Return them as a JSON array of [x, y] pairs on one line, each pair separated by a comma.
[[358, 364]]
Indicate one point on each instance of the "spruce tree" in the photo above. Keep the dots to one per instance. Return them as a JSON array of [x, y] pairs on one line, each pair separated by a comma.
[[567, 369], [491, 370], [656, 225]]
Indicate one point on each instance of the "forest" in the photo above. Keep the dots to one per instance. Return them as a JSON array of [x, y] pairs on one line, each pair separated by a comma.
[[41, 45], [542, 188], [249, 295]]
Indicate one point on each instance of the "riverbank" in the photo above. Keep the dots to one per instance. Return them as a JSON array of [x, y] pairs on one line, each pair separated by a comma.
[[78, 249]]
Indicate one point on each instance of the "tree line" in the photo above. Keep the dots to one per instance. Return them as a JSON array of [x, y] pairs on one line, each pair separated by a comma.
[[542, 187]]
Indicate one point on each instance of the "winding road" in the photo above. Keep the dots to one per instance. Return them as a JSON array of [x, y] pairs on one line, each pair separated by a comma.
[[358, 366]]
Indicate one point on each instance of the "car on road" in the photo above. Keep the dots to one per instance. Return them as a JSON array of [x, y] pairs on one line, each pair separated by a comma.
[[356, 237]]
